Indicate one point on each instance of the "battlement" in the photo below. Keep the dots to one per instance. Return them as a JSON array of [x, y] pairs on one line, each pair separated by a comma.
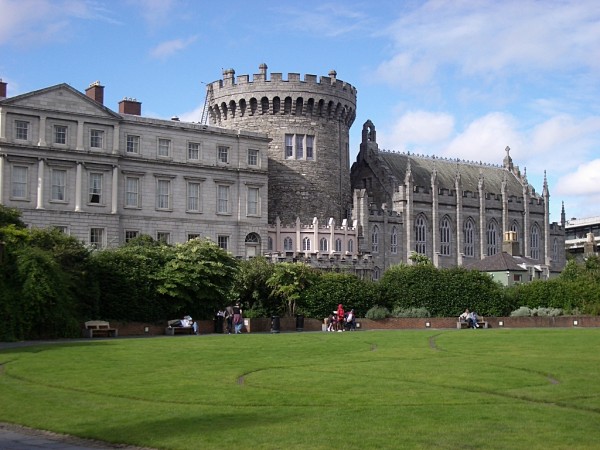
[[329, 84], [233, 99]]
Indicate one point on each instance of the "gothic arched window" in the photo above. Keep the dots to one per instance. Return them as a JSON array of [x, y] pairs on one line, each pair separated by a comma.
[[394, 240], [421, 235], [469, 231], [492, 238], [323, 245], [288, 244], [445, 233], [375, 239], [306, 244], [535, 241]]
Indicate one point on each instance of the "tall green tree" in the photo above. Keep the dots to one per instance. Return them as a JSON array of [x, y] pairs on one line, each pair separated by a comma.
[[250, 287], [198, 277], [288, 283]]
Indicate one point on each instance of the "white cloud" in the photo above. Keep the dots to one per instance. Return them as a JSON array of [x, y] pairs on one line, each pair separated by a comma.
[[416, 130], [27, 22], [154, 12], [485, 139], [491, 38], [168, 48], [194, 115], [585, 180], [326, 19]]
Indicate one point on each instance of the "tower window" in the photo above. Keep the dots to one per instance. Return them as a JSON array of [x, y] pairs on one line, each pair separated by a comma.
[[296, 144]]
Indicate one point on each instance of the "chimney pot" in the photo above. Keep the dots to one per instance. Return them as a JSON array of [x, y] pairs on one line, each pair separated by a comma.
[[95, 91], [2, 89], [130, 106]]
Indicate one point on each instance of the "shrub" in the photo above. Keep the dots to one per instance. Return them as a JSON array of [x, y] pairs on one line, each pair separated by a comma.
[[377, 312], [523, 311], [546, 312], [410, 312]]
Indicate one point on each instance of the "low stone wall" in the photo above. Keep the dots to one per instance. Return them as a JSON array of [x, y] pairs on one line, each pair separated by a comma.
[[288, 324]]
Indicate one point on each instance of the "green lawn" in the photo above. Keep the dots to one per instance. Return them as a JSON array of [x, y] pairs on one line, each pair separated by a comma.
[[504, 389]]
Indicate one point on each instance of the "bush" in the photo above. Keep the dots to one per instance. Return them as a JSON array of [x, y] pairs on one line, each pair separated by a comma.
[[411, 312], [377, 313], [546, 312], [523, 311]]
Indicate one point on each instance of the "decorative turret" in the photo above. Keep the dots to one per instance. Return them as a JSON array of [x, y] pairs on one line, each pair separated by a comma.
[[308, 122]]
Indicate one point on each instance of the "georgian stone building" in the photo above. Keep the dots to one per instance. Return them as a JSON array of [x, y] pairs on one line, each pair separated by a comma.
[[68, 161]]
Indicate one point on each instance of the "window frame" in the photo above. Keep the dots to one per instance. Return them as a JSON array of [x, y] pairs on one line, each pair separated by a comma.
[[223, 154], [22, 130], [197, 199], [223, 241], [96, 138], [55, 188], [194, 151], [253, 157], [161, 196], [60, 134], [130, 193], [223, 199], [161, 148], [22, 184], [101, 235], [253, 204], [132, 144], [93, 189]]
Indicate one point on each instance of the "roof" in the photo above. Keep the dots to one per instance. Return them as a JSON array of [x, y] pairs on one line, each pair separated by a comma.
[[447, 169], [500, 262]]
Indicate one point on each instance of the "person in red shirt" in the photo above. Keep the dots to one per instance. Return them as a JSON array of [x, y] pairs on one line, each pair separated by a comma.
[[340, 314]]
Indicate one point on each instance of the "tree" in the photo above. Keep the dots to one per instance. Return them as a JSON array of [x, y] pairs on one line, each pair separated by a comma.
[[250, 287], [198, 277], [288, 282]]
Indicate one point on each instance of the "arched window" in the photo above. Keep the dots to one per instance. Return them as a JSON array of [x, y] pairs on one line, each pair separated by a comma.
[[421, 235], [469, 238], [492, 238], [338, 245], [445, 233], [288, 244], [270, 244], [375, 239], [264, 104], [323, 245], [306, 244], [351, 246], [287, 105], [535, 241], [394, 240], [253, 106], [555, 252], [376, 273], [276, 105], [242, 107]]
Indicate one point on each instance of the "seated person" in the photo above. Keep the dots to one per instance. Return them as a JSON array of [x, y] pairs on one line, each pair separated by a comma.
[[186, 322], [473, 319], [464, 317]]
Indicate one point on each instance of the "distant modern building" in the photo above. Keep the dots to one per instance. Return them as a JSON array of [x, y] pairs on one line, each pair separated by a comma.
[[582, 237]]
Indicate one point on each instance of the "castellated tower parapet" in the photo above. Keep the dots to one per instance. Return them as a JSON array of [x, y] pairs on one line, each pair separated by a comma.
[[308, 121]]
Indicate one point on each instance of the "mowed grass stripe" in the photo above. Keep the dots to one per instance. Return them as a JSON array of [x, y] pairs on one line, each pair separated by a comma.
[[518, 388]]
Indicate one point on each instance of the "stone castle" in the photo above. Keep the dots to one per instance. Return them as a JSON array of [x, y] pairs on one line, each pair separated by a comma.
[[270, 174]]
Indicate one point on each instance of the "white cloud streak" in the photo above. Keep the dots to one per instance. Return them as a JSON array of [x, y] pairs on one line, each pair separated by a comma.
[[168, 48]]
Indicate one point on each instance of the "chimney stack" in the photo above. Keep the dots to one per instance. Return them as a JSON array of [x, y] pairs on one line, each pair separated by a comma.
[[2, 89], [95, 91], [130, 106], [510, 244]]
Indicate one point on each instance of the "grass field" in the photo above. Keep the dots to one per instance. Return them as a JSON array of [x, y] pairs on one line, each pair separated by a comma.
[[493, 389]]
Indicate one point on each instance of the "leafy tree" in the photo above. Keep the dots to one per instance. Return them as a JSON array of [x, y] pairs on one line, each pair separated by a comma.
[[329, 289], [288, 282], [126, 278], [250, 287], [198, 277], [10, 216]]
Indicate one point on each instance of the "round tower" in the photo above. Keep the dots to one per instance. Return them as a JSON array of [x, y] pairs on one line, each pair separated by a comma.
[[308, 122]]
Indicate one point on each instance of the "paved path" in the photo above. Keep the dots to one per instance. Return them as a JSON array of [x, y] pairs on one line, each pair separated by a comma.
[[15, 437]]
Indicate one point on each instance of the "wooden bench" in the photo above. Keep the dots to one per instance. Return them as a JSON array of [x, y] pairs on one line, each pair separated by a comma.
[[95, 328], [172, 330], [481, 322]]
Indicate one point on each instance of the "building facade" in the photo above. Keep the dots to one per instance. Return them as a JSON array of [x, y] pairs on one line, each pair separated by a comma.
[[582, 237], [67, 161], [270, 175]]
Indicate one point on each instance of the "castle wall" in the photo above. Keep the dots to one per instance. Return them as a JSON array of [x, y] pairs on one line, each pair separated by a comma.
[[308, 122]]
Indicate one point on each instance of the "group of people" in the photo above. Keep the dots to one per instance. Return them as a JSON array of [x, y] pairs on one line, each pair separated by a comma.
[[234, 319], [339, 320], [470, 317]]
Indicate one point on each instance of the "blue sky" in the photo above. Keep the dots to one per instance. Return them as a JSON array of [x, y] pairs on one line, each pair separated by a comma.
[[460, 79]]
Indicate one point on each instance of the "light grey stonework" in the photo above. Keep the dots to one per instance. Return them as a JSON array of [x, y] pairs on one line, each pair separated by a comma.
[[138, 176]]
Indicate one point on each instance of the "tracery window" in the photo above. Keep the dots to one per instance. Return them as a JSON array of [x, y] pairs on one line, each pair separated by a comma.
[[469, 231], [421, 235], [445, 237], [492, 238]]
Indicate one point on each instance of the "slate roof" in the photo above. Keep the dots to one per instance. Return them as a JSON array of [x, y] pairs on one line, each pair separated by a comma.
[[502, 262], [422, 168]]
